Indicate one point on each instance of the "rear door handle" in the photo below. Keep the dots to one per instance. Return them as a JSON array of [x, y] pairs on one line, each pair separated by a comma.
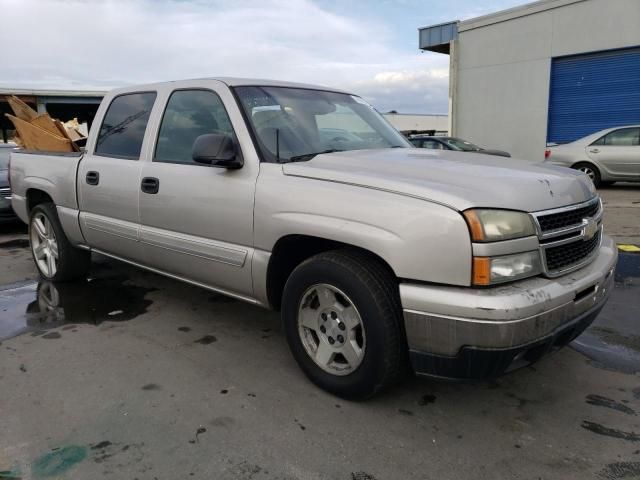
[[594, 150], [93, 178], [150, 185]]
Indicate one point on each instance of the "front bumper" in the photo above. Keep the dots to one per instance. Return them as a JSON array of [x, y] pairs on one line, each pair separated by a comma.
[[458, 332]]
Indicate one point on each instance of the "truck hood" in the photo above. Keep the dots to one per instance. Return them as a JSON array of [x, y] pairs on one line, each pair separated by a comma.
[[456, 179]]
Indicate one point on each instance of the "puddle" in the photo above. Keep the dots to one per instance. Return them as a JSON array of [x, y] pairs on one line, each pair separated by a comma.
[[37, 307], [613, 341]]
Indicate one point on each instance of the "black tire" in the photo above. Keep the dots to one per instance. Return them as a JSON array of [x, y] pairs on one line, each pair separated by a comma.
[[72, 263], [591, 170], [374, 292], [606, 184]]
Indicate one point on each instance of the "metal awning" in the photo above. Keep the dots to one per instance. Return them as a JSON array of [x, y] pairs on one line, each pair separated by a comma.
[[436, 38]]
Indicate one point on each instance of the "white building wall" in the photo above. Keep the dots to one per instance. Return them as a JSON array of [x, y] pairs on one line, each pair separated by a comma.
[[501, 96], [404, 121]]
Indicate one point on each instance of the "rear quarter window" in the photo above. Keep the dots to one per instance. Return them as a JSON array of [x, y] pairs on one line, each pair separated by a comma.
[[122, 130]]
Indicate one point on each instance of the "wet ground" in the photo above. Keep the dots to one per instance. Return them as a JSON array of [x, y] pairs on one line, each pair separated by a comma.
[[132, 375], [622, 211]]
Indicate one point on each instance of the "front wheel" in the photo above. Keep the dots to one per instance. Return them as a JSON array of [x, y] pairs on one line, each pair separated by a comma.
[[591, 171], [56, 259], [343, 322]]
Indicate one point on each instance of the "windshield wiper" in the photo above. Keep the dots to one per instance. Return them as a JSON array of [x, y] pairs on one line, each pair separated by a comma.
[[309, 156]]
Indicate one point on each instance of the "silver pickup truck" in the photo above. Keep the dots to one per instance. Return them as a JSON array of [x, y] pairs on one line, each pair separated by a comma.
[[382, 258]]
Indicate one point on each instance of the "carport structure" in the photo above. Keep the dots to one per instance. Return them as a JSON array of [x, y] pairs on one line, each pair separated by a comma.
[[61, 104]]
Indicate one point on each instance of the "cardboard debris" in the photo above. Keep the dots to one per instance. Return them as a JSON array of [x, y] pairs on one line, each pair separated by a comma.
[[74, 129], [21, 109], [33, 137], [38, 131], [45, 122]]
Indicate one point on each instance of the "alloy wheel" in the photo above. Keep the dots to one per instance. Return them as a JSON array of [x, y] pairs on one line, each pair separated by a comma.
[[331, 329], [589, 171], [44, 245]]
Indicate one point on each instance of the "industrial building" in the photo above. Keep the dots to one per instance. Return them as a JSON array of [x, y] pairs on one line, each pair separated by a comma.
[[61, 104], [416, 121], [546, 72]]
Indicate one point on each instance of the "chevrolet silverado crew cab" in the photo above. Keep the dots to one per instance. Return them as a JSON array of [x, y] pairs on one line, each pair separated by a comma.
[[382, 258]]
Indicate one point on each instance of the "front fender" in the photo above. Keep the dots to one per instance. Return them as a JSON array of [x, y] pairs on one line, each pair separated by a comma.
[[419, 240]]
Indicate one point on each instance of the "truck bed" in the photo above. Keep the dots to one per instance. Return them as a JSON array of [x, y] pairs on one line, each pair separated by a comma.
[[53, 173]]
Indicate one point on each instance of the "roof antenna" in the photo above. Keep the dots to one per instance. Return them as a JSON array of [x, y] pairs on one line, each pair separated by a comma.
[[277, 145]]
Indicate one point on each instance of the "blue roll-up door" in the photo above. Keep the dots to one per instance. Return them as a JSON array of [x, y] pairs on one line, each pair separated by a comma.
[[592, 92]]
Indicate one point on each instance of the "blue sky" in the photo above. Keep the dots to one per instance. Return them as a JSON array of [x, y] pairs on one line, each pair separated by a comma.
[[404, 17], [369, 47]]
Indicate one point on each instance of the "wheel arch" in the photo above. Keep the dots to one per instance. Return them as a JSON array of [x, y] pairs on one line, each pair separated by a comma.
[[36, 196], [291, 250], [600, 173]]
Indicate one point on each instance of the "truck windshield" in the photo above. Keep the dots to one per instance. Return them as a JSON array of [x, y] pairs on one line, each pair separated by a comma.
[[295, 124]]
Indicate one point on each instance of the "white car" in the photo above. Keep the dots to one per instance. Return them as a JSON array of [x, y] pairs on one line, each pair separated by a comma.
[[607, 156]]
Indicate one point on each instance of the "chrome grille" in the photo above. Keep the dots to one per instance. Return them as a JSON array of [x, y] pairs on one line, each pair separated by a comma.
[[5, 192], [563, 256], [569, 236], [555, 221]]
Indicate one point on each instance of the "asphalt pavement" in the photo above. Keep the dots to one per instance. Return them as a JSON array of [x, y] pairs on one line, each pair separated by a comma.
[[133, 375]]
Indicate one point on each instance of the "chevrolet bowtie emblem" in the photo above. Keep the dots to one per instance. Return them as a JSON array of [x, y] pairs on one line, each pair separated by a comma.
[[590, 228]]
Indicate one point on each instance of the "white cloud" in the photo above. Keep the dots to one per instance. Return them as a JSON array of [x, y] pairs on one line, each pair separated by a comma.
[[105, 43]]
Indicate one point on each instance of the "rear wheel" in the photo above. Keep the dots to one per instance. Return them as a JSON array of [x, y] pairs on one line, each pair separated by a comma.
[[343, 322], [55, 258], [591, 171]]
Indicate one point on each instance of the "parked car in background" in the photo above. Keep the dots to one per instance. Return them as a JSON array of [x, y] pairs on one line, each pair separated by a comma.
[[6, 212], [453, 143], [606, 156]]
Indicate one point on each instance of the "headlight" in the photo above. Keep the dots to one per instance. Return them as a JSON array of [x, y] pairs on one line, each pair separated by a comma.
[[490, 270], [488, 225]]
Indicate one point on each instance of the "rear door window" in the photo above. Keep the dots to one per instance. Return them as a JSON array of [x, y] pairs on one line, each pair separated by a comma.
[[625, 137], [122, 130]]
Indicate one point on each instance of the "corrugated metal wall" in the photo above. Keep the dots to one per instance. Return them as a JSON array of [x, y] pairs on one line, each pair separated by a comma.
[[594, 91]]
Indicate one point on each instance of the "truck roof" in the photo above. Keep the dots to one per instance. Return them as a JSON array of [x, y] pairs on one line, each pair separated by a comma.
[[230, 81]]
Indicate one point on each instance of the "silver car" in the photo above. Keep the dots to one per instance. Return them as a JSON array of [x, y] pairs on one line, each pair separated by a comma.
[[606, 156], [6, 212]]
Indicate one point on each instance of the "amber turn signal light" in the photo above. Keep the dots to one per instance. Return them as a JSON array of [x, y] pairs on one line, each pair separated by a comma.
[[475, 226], [481, 271]]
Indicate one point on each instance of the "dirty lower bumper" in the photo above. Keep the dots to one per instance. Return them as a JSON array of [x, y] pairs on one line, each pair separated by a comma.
[[484, 363], [460, 332]]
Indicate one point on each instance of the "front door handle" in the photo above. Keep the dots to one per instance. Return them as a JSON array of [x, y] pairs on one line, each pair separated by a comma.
[[595, 150], [150, 185], [93, 178]]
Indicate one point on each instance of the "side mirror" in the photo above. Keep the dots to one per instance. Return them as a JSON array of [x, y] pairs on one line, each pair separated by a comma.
[[217, 150]]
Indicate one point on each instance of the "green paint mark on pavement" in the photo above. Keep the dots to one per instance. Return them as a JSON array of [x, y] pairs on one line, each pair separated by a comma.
[[58, 462]]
